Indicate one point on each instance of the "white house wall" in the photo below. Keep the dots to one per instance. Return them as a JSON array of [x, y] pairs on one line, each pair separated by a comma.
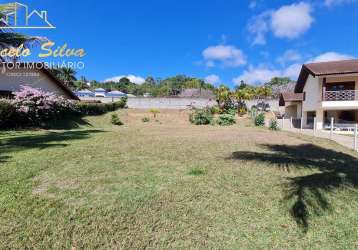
[[11, 80], [313, 90]]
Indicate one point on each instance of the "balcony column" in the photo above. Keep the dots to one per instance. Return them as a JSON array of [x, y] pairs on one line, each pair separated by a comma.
[[319, 119], [324, 85]]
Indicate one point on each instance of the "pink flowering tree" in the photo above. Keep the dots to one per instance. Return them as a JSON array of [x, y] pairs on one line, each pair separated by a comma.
[[35, 105]]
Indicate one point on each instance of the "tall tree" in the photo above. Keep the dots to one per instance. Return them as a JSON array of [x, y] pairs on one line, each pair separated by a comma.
[[66, 75], [150, 81], [223, 96], [277, 81]]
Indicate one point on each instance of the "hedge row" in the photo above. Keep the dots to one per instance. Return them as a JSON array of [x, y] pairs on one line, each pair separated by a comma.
[[12, 117], [101, 108]]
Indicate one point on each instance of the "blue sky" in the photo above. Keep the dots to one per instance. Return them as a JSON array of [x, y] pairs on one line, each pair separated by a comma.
[[222, 41]]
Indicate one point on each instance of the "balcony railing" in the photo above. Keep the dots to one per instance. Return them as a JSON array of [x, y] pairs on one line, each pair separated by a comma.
[[343, 95]]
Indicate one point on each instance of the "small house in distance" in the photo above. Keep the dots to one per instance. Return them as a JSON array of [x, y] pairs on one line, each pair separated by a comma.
[[84, 93], [100, 92], [116, 93]]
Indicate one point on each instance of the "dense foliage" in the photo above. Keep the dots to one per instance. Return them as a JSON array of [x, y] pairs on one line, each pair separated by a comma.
[[228, 100], [201, 117], [7, 113], [226, 120], [115, 120], [33, 107], [101, 108], [260, 120], [171, 86], [273, 124]]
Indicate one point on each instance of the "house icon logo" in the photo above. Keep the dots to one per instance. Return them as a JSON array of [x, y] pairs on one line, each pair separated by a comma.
[[17, 16]]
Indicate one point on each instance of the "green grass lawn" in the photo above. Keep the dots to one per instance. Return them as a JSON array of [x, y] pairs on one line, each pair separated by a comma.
[[168, 184]]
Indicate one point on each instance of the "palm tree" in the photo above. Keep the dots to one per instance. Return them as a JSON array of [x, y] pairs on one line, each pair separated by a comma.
[[11, 39], [223, 95], [242, 95], [66, 75]]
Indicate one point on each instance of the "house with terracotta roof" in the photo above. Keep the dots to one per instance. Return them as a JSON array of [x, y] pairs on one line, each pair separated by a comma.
[[323, 91], [36, 75]]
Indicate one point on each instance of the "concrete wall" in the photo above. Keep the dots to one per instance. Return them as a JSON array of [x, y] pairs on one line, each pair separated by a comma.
[[11, 80], [176, 103]]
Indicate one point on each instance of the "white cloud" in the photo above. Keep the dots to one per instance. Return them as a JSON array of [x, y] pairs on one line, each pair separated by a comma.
[[289, 21], [289, 56], [259, 26], [292, 71], [132, 78], [330, 56], [227, 55], [330, 3], [213, 79], [257, 75], [261, 74]]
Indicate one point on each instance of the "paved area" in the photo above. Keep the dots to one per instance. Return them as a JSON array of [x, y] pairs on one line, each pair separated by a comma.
[[344, 140]]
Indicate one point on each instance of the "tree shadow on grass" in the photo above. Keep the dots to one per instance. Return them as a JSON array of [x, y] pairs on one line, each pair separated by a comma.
[[67, 123], [15, 143], [307, 193]]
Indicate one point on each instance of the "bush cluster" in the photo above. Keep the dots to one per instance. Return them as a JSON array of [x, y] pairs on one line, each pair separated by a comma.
[[226, 120], [7, 113], [205, 117], [260, 120], [100, 108], [201, 117], [115, 120], [33, 107], [145, 119], [274, 124]]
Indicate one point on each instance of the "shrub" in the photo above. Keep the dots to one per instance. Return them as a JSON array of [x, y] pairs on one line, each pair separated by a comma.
[[201, 117], [215, 110], [226, 120], [273, 124], [7, 114], [100, 108], [230, 112], [35, 107], [115, 120], [145, 119], [196, 172], [154, 112], [242, 111], [260, 120]]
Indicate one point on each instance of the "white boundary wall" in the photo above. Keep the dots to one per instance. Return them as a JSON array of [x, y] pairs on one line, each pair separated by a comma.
[[177, 103]]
